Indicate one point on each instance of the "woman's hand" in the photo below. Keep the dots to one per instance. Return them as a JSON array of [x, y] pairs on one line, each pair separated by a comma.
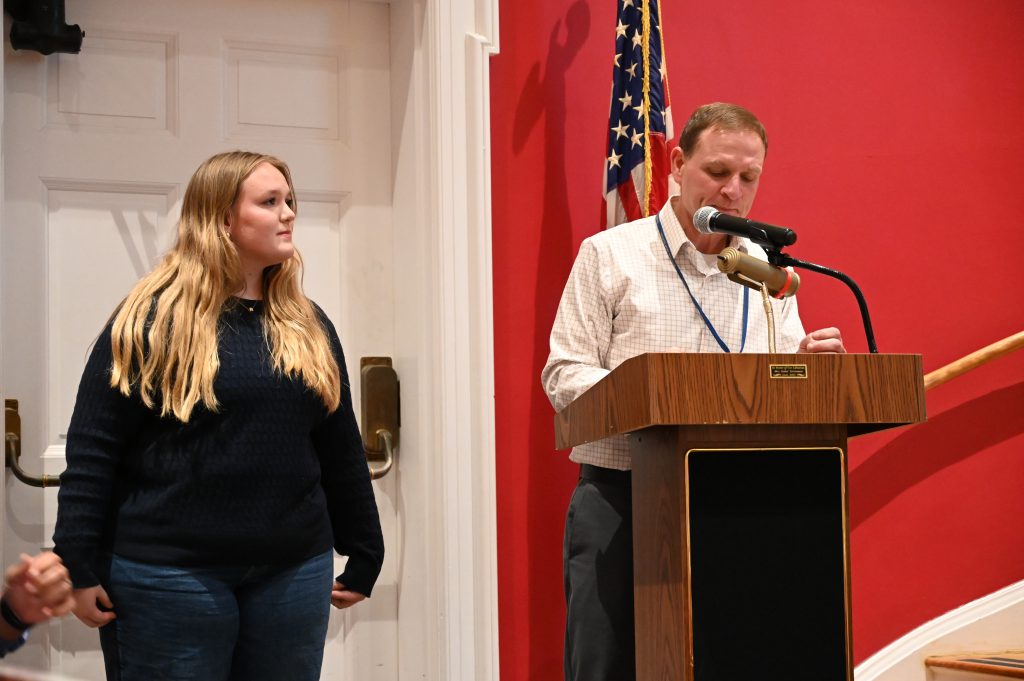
[[342, 598], [87, 602]]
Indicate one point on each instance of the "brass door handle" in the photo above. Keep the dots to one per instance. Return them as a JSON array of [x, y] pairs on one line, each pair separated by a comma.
[[384, 436], [12, 455], [381, 419]]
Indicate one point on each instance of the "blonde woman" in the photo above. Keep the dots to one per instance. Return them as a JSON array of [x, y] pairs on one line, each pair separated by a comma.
[[214, 461]]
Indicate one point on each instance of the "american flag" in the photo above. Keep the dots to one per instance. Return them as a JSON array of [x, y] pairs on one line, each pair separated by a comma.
[[640, 123]]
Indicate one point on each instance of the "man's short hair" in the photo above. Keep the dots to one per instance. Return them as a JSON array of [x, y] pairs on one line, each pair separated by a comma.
[[721, 115]]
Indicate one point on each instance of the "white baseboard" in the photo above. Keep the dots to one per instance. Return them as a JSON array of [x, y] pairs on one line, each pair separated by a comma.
[[994, 622]]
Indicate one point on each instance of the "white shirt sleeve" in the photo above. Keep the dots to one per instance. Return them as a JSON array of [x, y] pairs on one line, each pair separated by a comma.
[[581, 334]]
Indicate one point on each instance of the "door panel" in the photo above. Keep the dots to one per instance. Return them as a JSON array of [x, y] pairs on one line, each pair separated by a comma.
[[97, 150]]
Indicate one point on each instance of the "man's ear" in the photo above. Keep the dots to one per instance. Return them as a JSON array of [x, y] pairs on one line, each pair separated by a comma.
[[676, 160]]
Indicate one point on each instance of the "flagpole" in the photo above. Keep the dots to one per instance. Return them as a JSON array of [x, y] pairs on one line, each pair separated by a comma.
[[648, 164]]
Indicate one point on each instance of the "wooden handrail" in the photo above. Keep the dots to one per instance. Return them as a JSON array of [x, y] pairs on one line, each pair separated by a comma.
[[974, 360]]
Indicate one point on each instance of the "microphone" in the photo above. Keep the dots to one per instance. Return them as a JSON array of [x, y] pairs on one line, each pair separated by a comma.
[[707, 220], [781, 283]]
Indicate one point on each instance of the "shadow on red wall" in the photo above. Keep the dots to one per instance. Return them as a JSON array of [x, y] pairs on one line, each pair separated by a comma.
[[533, 567], [912, 457]]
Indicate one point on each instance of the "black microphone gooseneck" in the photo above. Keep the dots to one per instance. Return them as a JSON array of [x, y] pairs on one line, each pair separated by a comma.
[[780, 259]]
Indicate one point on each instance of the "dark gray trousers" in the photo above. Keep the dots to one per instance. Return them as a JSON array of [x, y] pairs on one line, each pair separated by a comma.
[[597, 564]]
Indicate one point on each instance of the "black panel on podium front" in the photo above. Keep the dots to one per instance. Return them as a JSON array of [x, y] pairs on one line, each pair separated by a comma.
[[767, 559]]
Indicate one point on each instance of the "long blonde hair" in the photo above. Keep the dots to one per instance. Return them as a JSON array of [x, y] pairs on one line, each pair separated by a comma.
[[164, 334]]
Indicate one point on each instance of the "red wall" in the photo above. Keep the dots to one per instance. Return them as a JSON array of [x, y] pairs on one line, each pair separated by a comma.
[[897, 152]]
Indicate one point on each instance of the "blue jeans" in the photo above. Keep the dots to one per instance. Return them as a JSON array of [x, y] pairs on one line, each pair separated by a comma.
[[244, 623]]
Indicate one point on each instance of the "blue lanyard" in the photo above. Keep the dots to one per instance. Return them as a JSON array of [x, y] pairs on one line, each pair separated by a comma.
[[711, 327]]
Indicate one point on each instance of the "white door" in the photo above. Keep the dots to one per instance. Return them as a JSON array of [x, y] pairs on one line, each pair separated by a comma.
[[97, 150]]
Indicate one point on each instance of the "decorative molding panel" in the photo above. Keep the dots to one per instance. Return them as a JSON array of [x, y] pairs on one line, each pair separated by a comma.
[[124, 81], [122, 228], [290, 92], [319, 238], [459, 99], [54, 463], [348, 270]]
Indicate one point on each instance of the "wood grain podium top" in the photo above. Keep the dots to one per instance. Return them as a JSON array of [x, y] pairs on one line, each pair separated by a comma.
[[865, 392]]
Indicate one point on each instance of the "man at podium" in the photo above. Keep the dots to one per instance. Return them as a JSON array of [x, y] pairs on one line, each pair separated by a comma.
[[652, 285]]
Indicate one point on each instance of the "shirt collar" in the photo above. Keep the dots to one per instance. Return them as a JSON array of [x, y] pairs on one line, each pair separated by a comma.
[[677, 239]]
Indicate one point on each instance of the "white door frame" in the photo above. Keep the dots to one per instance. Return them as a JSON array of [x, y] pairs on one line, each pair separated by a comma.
[[448, 624], [442, 185]]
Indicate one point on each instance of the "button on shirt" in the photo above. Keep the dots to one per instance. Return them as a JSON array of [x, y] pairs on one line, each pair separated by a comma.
[[624, 298]]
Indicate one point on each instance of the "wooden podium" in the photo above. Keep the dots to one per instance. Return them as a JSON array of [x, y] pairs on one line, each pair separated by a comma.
[[740, 533]]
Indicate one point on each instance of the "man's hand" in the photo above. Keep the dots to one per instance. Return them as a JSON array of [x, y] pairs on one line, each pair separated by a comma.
[[38, 588], [342, 598], [823, 340], [87, 602]]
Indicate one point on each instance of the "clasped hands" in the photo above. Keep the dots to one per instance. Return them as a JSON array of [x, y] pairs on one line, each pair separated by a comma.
[[37, 588]]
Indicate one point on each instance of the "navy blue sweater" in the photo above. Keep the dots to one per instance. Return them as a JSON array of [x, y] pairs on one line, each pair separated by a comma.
[[270, 478]]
